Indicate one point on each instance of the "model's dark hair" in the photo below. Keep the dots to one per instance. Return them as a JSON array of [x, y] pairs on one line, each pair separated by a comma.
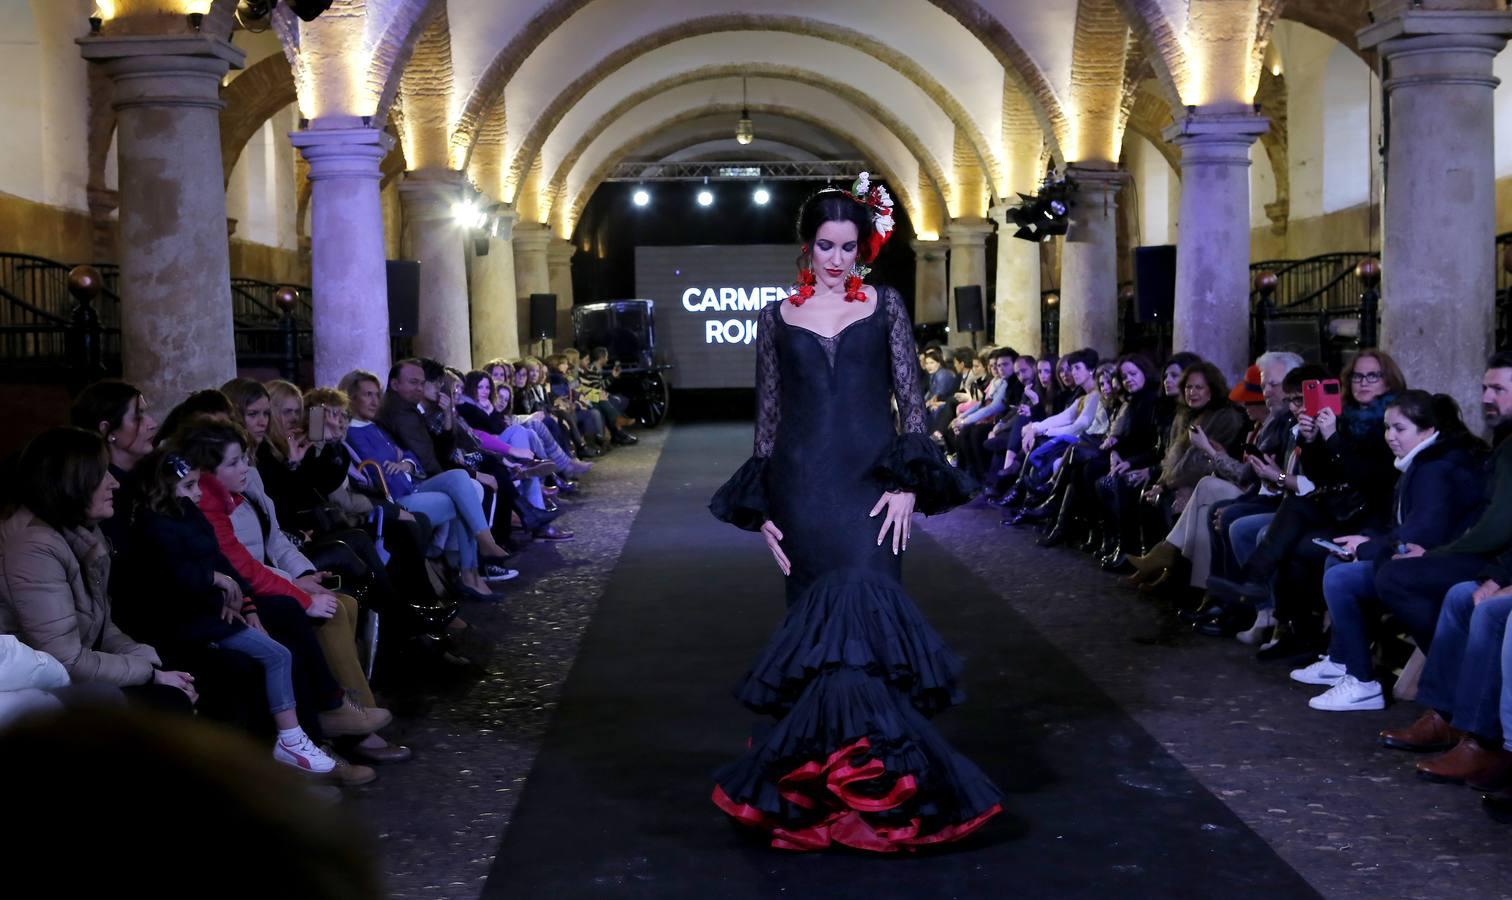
[[58, 473], [830, 205], [103, 401]]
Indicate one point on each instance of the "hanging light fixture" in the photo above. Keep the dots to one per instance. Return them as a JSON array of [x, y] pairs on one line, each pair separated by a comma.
[[744, 134]]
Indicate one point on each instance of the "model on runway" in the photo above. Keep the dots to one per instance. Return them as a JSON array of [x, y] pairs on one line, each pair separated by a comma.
[[854, 671]]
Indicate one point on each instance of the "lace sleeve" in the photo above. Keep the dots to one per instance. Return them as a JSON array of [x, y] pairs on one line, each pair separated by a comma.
[[912, 462], [768, 383], [905, 362]]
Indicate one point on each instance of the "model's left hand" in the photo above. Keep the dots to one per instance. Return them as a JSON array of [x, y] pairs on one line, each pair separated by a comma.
[[899, 506]]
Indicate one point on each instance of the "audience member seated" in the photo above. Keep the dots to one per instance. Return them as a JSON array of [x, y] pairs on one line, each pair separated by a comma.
[[1437, 498], [202, 599], [246, 530], [55, 570], [1352, 474], [451, 502]]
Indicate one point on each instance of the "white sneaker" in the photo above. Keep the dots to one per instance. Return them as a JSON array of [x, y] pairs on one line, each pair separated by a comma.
[[1325, 672], [1265, 620], [1350, 694], [303, 755]]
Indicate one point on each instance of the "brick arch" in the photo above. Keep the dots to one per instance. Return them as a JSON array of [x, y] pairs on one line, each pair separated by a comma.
[[927, 163], [1339, 19], [572, 94], [251, 99], [1162, 46], [1021, 69], [899, 189]]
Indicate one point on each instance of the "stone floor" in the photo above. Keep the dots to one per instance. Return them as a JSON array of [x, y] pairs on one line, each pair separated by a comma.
[[1348, 815], [440, 816]]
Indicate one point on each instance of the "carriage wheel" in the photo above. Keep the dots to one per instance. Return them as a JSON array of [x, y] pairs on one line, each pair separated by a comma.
[[657, 396]]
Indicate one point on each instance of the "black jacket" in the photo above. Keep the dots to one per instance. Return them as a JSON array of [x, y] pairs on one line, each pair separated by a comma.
[[1435, 500], [174, 560]]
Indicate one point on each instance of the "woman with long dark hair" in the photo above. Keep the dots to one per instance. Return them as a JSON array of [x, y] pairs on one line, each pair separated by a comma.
[[854, 670]]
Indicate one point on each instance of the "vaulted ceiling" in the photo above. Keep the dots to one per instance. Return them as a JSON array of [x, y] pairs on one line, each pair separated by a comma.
[[957, 102]]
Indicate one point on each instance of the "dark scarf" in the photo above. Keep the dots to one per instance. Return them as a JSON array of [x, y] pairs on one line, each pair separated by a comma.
[[1360, 422]]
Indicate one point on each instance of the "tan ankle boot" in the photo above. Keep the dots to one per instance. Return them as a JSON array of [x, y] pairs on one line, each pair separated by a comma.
[[1161, 556]]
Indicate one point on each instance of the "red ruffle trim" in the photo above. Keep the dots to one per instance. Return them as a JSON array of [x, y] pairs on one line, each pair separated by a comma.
[[829, 786]]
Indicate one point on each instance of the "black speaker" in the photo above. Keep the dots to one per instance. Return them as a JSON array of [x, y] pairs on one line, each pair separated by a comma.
[[1154, 283], [403, 296], [968, 299], [543, 317]]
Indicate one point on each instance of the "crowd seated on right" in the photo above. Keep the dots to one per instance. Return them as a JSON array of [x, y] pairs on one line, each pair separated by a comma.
[[1368, 544], [237, 561]]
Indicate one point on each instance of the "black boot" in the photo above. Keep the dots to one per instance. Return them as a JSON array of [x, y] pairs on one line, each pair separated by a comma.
[[1065, 521]]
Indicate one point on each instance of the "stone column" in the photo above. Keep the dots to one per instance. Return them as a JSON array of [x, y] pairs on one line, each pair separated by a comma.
[[1212, 315], [1089, 263], [968, 266], [1438, 265], [1017, 318], [930, 282], [435, 238], [559, 266], [176, 330], [348, 279], [495, 326], [532, 274]]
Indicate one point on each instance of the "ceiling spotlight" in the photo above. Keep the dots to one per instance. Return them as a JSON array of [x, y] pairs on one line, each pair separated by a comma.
[[744, 133], [705, 198], [761, 196], [641, 197]]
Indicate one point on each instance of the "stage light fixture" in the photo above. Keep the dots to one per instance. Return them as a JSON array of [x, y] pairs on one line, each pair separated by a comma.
[[761, 196], [641, 197], [705, 197], [1045, 215]]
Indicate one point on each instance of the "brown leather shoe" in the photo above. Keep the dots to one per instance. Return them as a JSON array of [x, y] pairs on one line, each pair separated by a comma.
[[391, 753], [1429, 734], [1468, 761], [348, 774]]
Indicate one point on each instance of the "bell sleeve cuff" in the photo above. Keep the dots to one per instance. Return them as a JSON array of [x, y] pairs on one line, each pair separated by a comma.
[[742, 501], [913, 463]]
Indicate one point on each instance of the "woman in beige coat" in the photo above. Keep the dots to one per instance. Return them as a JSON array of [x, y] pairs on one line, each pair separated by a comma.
[[55, 568]]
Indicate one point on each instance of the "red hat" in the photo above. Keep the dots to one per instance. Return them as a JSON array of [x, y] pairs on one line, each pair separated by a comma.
[[1250, 389]]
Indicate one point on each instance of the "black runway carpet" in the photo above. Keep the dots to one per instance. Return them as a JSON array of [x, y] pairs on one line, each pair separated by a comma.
[[617, 804]]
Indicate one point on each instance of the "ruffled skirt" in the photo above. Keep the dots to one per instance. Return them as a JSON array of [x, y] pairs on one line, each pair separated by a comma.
[[853, 671]]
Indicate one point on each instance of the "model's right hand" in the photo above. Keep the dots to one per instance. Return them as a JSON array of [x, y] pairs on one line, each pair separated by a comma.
[[773, 535]]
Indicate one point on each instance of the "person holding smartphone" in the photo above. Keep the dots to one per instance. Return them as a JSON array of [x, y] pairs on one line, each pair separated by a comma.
[[1435, 500], [1350, 475]]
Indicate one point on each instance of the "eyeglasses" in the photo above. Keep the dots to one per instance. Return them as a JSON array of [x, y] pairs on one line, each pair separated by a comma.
[[1295, 401], [1364, 377]]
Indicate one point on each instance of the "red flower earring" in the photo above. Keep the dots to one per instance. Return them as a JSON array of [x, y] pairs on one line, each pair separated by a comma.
[[806, 282]]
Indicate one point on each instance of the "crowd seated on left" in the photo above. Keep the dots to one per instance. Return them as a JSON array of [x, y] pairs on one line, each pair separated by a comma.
[[235, 561]]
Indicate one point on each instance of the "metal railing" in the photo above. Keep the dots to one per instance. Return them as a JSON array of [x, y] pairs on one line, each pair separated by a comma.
[[44, 329]]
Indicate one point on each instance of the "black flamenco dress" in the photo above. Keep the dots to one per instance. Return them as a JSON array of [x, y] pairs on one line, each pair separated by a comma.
[[854, 672]]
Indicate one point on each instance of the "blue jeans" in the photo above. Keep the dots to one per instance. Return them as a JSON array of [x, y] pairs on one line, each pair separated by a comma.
[[445, 499], [522, 438], [1347, 587], [1463, 675], [276, 660], [1244, 537]]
